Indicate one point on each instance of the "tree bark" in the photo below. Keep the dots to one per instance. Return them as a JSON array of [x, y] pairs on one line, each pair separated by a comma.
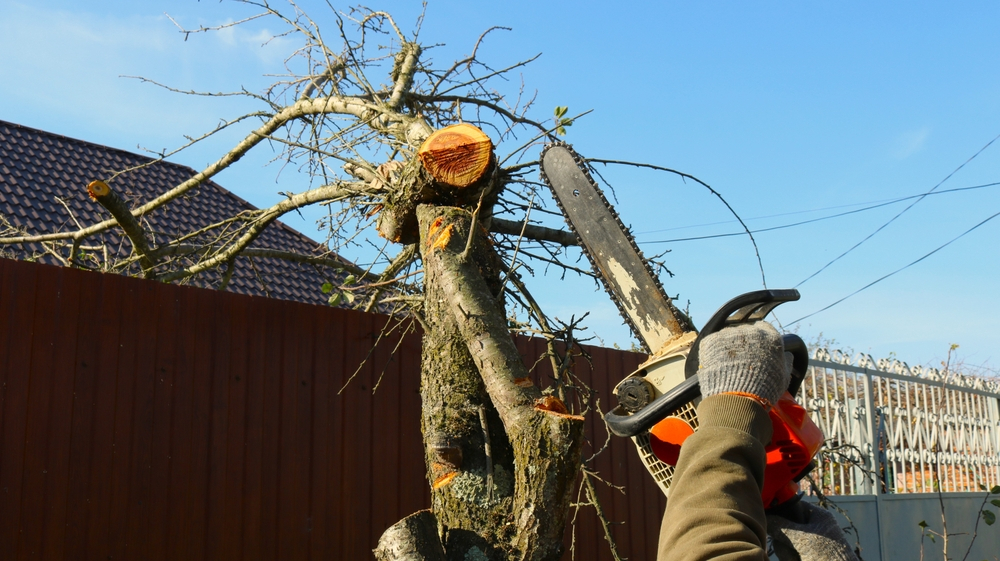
[[512, 503], [413, 538]]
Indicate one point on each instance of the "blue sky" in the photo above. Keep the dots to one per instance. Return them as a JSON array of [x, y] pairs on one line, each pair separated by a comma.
[[791, 111]]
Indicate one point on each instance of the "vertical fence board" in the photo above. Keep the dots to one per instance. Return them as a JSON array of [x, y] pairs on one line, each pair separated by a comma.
[[226, 504], [414, 493], [339, 517], [271, 436], [385, 435], [50, 305], [100, 460], [356, 454], [126, 423], [182, 426], [17, 333], [83, 451], [217, 518], [205, 314], [320, 430], [251, 543]]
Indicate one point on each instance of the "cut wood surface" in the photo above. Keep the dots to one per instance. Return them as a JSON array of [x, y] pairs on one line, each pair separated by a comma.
[[458, 155]]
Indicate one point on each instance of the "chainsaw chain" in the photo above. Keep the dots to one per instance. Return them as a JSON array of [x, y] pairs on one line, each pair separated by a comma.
[[585, 168]]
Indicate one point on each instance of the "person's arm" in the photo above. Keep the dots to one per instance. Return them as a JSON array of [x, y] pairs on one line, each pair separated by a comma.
[[714, 510]]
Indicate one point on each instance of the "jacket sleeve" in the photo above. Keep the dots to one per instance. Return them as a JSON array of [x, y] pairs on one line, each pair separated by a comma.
[[714, 509]]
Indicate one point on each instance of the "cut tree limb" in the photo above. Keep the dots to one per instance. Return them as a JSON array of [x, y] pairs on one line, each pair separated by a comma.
[[413, 538], [534, 232], [546, 444], [458, 155], [109, 199]]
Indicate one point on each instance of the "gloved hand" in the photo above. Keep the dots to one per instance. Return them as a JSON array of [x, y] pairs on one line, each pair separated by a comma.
[[819, 538], [745, 359]]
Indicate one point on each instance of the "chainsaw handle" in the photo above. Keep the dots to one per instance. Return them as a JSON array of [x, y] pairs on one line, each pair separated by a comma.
[[800, 360], [621, 423], [746, 308]]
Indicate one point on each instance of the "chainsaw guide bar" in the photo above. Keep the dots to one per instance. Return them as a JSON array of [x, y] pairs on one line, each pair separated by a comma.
[[624, 272]]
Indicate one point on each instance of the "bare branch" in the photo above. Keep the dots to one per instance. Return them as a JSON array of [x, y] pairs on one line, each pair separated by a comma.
[[534, 232], [262, 220]]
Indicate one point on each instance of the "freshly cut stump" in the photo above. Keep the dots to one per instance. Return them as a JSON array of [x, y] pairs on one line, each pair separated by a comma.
[[458, 155]]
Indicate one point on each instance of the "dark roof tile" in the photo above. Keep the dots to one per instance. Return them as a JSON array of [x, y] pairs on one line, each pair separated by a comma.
[[37, 166]]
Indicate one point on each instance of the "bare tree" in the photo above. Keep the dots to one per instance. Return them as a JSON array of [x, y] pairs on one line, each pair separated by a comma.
[[357, 103]]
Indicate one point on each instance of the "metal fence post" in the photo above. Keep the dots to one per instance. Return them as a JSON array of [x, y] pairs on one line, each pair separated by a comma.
[[995, 420], [873, 438]]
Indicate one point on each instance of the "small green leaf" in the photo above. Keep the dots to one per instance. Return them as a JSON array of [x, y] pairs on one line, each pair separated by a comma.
[[348, 297], [561, 131], [561, 110], [995, 490], [922, 524], [351, 279], [335, 299], [995, 502], [326, 288], [989, 517]]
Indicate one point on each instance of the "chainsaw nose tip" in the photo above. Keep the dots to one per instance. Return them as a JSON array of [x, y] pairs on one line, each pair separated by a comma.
[[666, 437]]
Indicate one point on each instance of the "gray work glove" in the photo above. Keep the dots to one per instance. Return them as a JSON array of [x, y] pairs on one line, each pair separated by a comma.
[[746, 359], [818, 539]]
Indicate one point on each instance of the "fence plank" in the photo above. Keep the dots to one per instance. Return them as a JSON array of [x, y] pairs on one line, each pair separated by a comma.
[[83, 452], [17, 339], [45, 356], [356, 454], [271, 435], [226, 503], [100, 459], [253, 487]]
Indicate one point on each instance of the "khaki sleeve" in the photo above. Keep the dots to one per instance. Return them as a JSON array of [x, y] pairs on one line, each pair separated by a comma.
[[714, 510]]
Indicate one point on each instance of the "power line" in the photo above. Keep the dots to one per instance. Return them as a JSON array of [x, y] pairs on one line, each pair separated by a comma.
[[876, 281], [791, 213], [893, 219], [820, 219]]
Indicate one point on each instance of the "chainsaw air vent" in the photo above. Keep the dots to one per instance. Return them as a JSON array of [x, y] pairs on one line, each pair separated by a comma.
[[661, 472]]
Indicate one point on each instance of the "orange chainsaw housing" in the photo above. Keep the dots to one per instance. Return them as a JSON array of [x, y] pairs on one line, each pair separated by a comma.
[[794, 443]]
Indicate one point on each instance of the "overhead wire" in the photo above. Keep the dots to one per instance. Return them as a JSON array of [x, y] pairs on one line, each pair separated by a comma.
[[880, 279], [822, 218], [893, 219]]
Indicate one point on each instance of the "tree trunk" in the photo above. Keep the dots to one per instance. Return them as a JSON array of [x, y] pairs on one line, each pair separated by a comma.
[[500, 462]]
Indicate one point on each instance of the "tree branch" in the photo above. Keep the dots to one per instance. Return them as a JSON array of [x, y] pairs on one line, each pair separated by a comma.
[[534, 232], [109, 199], [326, 193]]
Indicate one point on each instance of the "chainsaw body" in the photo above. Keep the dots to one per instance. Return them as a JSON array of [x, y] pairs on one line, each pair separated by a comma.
[[657, 405]]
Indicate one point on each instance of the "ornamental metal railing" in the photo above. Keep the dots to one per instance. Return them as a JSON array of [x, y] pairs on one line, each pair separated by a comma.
[[893, 428]]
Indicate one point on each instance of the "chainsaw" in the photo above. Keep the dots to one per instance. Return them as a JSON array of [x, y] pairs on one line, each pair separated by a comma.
[[657, 403]]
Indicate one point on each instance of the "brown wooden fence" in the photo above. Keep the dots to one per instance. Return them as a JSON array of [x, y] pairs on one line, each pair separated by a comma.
[[143, 420]]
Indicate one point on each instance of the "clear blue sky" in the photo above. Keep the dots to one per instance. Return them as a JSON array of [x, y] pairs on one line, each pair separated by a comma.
[[793, 111]]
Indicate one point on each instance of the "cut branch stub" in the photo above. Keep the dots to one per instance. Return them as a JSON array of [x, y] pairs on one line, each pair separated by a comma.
[[458, 155], [106, 196]]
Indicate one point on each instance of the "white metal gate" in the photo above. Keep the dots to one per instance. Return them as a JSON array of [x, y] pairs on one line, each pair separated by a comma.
[[892, 428]]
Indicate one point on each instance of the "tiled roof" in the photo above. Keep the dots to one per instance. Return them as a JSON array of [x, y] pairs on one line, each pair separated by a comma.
[[38, 168]]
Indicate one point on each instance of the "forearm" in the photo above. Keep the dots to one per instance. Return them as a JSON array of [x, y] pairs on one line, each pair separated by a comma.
[[714, 510]]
